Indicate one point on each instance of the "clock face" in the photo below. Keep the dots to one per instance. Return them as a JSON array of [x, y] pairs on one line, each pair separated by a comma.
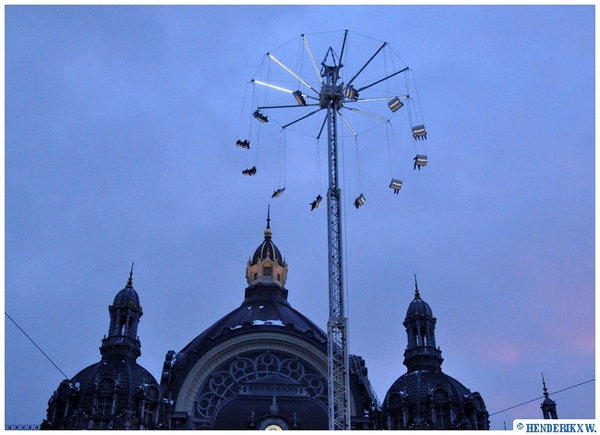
[[273, 427]]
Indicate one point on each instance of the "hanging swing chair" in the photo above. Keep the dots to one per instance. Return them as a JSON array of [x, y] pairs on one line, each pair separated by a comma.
[[278, 193], [396, 185], [250, 172], [420, 160], [419, 132], [243, 144], [280, 176], [316, 203], [359, 201]]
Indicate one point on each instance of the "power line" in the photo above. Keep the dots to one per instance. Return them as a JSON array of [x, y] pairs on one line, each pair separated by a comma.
[[30, 339], [541, 397]]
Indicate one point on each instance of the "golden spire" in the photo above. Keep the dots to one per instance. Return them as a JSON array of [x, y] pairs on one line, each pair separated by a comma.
[[268, 232]]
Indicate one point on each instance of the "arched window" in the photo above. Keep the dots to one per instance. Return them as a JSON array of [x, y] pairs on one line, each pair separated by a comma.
[[441, 405], [103, 402], [267, 271], [147, 414], [395, 417]]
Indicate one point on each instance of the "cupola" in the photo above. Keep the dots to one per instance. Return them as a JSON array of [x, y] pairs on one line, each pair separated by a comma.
[[125, 313], [421, 350], [267, 265]]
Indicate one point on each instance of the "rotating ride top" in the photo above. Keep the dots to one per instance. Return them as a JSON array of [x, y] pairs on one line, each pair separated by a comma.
[[358, 99]]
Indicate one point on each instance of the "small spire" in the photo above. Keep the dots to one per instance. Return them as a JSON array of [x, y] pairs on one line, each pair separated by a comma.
[[544, 384], [417, 294], [268, 232], [130, 280]]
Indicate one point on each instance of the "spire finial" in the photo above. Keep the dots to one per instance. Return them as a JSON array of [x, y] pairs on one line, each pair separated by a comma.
[[130, 280], [417, 295], [268, 232], [544, 384]]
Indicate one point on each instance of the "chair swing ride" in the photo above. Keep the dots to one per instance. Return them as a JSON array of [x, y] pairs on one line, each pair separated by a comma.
[[343, 98], [326, 94]]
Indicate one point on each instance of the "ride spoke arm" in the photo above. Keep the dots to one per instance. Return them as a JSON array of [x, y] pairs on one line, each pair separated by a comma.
[[321, 129], [372, 115], [341, 56], [312, 59], [286, 106], [383, 79], [268, 85], [370, 100], [292, 73], [365, 65], [347, 124], [301, 118]]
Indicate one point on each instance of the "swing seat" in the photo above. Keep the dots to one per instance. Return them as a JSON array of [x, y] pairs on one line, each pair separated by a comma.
[[419, 132], [243, 144], [396, 185], [250, 172], [359, 201], [350, 93], [278, 193], [299, 98], [316, 203], [260, 116], [395, 104], [420, 160]]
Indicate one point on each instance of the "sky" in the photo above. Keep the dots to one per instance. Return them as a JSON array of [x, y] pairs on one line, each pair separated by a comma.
[[120, 129]]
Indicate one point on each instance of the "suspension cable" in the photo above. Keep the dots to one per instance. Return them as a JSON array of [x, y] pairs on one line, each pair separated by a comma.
[[360, 185], [318, 181]]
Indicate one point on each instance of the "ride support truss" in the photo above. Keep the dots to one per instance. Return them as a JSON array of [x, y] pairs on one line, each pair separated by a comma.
[[339, 100], [337, 326]]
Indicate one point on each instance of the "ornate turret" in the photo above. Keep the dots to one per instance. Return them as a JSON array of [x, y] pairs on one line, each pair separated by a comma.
[[548, 405], [421, 351], [125, 313], [425, 397], [116, 392]]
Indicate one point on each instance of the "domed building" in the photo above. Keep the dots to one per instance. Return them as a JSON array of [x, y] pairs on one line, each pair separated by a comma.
[[261, 366], [425, 397], [116, 392]]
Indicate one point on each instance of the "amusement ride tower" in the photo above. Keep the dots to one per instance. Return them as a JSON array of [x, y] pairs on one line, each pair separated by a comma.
[[337, 98]]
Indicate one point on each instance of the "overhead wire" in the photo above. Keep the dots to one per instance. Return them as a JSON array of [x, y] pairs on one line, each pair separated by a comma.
[[35, 344], [541, 397], [358, 168]]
